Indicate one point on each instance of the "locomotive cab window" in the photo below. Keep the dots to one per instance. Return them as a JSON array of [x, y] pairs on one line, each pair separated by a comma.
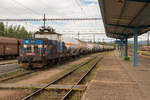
[[29, 49], [36, 49]]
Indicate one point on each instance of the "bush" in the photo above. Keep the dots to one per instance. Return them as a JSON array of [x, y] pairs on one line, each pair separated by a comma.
[[127, 58]]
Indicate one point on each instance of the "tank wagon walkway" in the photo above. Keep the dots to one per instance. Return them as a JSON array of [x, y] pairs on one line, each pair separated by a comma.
[[119, 80]]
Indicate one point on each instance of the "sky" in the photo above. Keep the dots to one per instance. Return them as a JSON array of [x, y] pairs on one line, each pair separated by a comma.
[[57, 9]]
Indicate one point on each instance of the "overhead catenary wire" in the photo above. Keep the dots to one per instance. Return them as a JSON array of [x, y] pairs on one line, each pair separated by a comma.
[[9, 10], [98, 11], [22, 5], [54, 19], [78, 2], [45, 4], [81, 8], [83, 33]]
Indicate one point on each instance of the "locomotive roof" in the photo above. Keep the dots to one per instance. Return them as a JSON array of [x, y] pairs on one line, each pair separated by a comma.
[[37, 39], [47, 33]]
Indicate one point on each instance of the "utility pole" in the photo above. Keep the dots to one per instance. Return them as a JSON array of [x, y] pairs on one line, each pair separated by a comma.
[[94, 38], [78, 35], [44, 20]]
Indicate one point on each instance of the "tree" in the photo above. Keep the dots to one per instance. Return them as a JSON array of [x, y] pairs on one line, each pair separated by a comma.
[[2, 28], [10, 31], [16, 31]]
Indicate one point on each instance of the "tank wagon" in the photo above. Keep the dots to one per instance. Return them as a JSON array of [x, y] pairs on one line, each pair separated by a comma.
[[38, 52], [74, 46], [9, 47]]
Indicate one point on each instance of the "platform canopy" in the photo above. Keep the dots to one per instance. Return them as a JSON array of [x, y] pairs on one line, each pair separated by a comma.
[[123, 17]]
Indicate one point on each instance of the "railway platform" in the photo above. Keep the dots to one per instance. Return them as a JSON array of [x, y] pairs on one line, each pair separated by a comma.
[[117, 79]]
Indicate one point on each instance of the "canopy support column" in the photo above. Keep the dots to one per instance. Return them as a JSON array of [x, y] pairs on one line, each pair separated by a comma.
[[121, 48], [126, 47], [136, 48]]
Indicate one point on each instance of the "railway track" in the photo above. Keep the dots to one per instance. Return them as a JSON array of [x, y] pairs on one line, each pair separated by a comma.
[[8, 68], [5, 62], [68, 93], [15, 76], [32, 95]]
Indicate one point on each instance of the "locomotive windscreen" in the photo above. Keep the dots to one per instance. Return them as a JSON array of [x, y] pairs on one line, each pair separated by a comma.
[[32, 46]]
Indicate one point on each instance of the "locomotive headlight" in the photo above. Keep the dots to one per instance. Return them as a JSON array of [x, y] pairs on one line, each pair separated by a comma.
[[39, 46], [27, 41], [25, 46], [32, 46]]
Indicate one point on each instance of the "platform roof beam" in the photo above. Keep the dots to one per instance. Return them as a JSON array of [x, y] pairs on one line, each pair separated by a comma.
[[129, 27], [143, 1], [122, 16]]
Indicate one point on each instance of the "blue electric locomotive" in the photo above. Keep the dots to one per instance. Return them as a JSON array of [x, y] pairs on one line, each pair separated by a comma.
[[40, 52]]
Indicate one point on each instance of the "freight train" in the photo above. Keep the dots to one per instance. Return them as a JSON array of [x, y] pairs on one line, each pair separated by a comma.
[[10, 47], [41, 51], [38, 52]]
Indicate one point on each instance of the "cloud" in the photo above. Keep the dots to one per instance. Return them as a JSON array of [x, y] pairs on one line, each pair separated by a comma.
[[55, 9]]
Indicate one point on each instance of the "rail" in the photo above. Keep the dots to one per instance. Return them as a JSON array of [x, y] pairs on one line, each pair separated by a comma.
[[65, 97], [53, 82]]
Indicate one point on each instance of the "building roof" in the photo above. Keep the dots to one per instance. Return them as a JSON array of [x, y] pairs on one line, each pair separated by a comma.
[[123, 17]]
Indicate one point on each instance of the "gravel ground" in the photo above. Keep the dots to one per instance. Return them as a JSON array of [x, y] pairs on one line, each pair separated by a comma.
[[13, 94], [43, 76]]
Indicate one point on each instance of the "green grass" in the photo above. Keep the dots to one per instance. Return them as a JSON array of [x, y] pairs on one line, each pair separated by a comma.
[[127, 58], [12, 73]]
